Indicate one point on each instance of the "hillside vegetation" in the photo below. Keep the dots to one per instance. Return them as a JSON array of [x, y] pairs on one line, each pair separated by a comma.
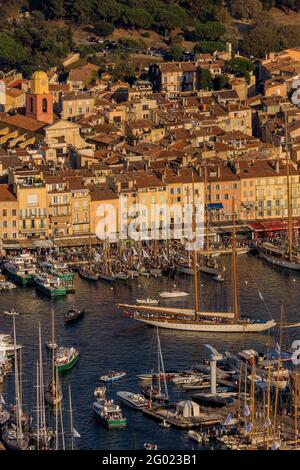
[[38, 33]]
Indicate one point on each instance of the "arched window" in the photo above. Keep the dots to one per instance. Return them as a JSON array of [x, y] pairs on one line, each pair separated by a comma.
[[31, 104], [45, 105]]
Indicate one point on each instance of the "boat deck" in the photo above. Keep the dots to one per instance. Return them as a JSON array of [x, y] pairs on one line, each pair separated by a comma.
[[204, 419]]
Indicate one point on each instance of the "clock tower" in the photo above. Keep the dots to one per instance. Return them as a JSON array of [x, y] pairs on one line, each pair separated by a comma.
[[39, 102]]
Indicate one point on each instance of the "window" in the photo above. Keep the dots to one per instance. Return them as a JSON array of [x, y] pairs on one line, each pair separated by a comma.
[[4, 212], [32, 200], [14, 212], [45, 105], [31, 104]]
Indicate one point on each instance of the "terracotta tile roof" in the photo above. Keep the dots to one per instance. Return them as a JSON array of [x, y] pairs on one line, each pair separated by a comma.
[[102, 193], [23, 122], [75, 183], [5, 194]]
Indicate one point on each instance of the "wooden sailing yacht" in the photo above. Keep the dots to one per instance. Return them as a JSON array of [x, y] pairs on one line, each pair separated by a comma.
[[53, 395], [280, 256], [13, 435], [196, 319]]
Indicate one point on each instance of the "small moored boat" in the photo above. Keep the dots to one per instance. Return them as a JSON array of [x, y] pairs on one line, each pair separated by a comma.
[[134, 400], [11, 313], [73, 314], [66, 358], [173, 294], [147, 301], [112, 376]]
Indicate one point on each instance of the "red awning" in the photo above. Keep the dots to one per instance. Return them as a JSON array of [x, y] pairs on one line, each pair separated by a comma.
[[272, 225]]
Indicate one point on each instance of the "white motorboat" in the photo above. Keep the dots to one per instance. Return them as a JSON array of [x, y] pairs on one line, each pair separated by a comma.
[[11, 313], [134, 400], [112, 376], [219, 278], [187, 379], [147, 301], [173, 294]]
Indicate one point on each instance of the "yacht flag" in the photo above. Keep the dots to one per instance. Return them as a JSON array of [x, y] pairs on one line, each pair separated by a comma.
[[75, 433]]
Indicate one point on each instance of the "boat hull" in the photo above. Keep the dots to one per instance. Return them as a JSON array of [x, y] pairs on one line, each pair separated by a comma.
[[20, 280], [129, 402], [106, 277], [69, 365], [282, 263], [55, 292], [209, 327]]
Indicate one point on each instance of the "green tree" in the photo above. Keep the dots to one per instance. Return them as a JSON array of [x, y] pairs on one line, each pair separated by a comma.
[[204, 79], [220, 81], [211, 31], [245, 9], [12, 53], [208, 47], [176, 52], [259, 41], [102, 28]]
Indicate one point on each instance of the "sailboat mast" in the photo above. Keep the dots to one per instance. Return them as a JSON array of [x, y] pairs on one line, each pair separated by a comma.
[[71, 419], [162, 365], [56, 413], [268, 405], [194, 228], [42, 396], [17, 387], [38, 405], [206, 213], [289, 196], [53, 341], [235, 302], [278, 373]]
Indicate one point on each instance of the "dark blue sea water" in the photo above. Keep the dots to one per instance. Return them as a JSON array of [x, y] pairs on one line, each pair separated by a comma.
[[108, 340]]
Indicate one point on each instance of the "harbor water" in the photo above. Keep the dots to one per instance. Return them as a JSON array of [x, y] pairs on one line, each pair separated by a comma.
[[109, 341]]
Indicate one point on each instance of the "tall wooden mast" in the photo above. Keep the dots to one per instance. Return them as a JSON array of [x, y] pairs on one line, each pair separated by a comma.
[[289, 195], [206, 212], [194, 228], [235, 301]]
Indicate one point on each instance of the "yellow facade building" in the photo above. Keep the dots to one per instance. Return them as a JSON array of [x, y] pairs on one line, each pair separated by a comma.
[[8, 214]]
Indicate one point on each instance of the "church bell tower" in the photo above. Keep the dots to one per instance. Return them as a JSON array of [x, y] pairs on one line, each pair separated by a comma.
[[39, 102]]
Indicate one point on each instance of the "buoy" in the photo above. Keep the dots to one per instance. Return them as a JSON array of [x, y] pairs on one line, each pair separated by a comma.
[[294, 280], [246, 282], [111, 288], [174, 285], [139, 285]]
